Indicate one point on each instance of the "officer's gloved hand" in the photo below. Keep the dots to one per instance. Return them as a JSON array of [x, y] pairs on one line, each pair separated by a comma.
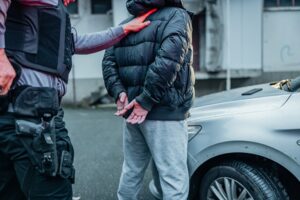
[[7, 73], [138, 23]]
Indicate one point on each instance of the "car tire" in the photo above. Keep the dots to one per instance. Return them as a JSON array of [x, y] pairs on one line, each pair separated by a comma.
[[240, 178]]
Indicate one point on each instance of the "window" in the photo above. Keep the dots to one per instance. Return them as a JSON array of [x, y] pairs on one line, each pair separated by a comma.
[[101, 6], [281, 3], [73, 8]]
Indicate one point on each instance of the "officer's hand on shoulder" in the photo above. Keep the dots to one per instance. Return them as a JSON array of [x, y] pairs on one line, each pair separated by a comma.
[[138, 23], [67, 2], [7, 73]]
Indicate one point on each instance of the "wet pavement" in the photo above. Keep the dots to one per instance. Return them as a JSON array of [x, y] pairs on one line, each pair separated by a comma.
[[97, 138]]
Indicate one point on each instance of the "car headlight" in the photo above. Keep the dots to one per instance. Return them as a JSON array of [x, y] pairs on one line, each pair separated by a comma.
[[193, 130]]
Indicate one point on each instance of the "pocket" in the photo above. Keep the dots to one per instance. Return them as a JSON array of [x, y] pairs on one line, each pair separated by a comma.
[[66, 169], [64, 144], [65, 153], [35, 102], [39, 139], [52, 154]]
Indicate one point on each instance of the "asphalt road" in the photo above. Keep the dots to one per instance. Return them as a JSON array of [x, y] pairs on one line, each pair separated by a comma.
[[97, 138]]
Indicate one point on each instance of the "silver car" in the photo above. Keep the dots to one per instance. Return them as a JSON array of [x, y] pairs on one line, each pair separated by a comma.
[[245, 144]]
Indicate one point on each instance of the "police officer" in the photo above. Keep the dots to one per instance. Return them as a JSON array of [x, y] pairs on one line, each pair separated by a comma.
[[36, 45]]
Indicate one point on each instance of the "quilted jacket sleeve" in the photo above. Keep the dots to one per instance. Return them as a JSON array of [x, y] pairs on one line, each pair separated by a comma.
[[111, 77], [162, 73]]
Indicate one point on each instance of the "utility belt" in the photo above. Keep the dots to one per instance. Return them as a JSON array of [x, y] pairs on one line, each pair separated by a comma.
[[35, 110]]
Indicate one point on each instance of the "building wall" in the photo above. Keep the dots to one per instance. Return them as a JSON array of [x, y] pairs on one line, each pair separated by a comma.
[[232, 36], [263, 45], [86, 76], [281, 40], [245, 40]]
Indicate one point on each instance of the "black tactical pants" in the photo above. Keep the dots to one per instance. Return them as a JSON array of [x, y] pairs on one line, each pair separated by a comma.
[[18, 179]]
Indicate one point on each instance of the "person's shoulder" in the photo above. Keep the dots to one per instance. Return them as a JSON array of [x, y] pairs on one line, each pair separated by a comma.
[[174, 12], [177, 20]]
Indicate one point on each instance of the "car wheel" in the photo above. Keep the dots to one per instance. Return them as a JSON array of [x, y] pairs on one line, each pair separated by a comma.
[[237, 180]]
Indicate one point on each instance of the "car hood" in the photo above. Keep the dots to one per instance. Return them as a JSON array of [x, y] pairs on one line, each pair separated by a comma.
[[233, 102]]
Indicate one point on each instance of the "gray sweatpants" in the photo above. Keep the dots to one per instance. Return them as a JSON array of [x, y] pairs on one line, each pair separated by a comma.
[[164, 141]]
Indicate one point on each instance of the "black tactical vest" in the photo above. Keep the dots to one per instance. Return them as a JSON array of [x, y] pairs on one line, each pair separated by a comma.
[[40, 38]]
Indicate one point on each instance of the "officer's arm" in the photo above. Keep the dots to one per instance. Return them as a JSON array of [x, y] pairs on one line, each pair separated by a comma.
[[7, 73], [4, 5], [95, 42]]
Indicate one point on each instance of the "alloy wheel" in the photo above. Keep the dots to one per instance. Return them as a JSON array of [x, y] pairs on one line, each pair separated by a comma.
[[228, 189]]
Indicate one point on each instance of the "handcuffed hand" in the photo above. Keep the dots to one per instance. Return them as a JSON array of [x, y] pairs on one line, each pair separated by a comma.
[[138, 114], [7, 73], [67, 2], [121, 103], [138, 23]]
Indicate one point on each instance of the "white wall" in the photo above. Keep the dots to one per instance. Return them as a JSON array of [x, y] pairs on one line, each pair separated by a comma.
[[119, 11], [281, 40], [89, 66], [245, 43], [86, 76]]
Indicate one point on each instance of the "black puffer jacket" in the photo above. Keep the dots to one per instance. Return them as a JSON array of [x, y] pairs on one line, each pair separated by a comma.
[[154, 65]]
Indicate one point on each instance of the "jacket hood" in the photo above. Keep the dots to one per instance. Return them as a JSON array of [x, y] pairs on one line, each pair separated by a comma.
[[138, 7]]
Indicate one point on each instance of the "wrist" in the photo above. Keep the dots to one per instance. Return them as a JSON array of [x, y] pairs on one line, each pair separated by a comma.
[[121, 94], [125, 29], [116, 93], [2, 52], [145, 101]]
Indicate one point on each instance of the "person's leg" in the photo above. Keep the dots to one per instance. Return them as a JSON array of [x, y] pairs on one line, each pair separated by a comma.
[[9, 185], [136, 160], [154, 186], [35, 186], [40, 187], [63, 141], [167, 141]]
